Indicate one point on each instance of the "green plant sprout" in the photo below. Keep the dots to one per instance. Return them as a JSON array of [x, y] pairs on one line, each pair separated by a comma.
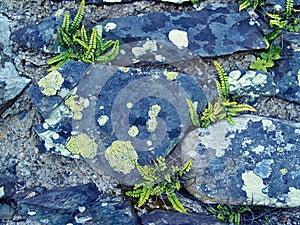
[[81, 45], [223, 108], [159, 180], [266, 59], [229, 214], [245, 4]]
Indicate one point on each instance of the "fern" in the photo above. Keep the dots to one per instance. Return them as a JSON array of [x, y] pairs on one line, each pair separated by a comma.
[[245, 4], [80, 44], [223, 108], [159, 180]]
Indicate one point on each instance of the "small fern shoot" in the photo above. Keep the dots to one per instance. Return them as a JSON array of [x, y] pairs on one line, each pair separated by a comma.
[[160, 180]]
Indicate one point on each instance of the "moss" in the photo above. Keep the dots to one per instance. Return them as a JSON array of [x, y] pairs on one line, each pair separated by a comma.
[[83, 145], [50, 84], [171, 75], [121, 156], [76, 104]]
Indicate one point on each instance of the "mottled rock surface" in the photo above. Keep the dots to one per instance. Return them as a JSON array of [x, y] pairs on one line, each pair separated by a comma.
[[255, 162], [209, 32], [128, 1], [7, 187], [158, 217], [116, 109], [287, 69]]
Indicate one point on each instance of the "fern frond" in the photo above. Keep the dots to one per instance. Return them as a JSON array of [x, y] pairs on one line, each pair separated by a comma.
[[66, 23], [289, 7], [78, 18], [186, 167], [83, 34], [230, 120], [134, 193], [193, 113], [246, 4], [175, 202], [144, 196], [110, 55], [223, 77]]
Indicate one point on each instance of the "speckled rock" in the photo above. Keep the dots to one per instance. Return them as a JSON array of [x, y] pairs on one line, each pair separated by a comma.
[[281, 3], [11, 85], [117, 115], [128, 1], [6, 212], [219, 29], [77, 205], [164, 217], [250, 85], [255, 162], [287, 69]]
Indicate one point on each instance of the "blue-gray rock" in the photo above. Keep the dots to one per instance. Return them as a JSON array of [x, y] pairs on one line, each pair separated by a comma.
[[158, 217], [219, 29], [58, 206], [251, 85], [51, 90], [255, 162], [6, 212], [11, 85], [7, 187], [129, 1], [287, 69], [116, 116], [5, 42]]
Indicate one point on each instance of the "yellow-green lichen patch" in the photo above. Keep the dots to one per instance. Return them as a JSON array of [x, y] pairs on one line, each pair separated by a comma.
[[171, 75], [76, 104], [179, 38], [83, 145], [298, 77], [133, 131], [124, 69], [50, 84], [283, 171], [2, 193], [121, 156], [152, 123]]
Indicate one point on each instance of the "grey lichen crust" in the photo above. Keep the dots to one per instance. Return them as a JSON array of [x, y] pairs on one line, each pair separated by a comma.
[[255, 162]]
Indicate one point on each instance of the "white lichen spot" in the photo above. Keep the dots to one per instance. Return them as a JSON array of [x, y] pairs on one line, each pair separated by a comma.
[[298, 77], [102, 120], [160, 58], [76, 104], [45, 126], [59, 13], [259, 79], [31, 213], [2, 193], [81, 209], [258, 149], [124, 69], [254, 186], [121, 156], [148, 46], [133, 131], [86, 103], [283, 171], [101, 107], [51, 83], [55, 136], [293, 197], [171, 75], [179, 38], [280, 149], [268, 125], [82, 144], [129, 105], [154, 111], [149, 143], [278, 8], [151, 124], [110, 26], [234, 75]]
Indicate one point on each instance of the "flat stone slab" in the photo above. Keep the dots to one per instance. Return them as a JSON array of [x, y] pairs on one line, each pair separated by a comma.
[[116, 115], [129, 1], [77, 205], [287, 69], [219, 29], [255, 162]]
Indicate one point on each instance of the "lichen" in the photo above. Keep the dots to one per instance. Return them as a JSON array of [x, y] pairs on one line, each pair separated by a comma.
[[2, 193], [171, 75], [148, 46], [152, 123], [293, 197], [50, 84], [283, 171], [76, 104], [121, 156], [82, 144], [298, 76], [179, 38], [133, 131], [102, 120]]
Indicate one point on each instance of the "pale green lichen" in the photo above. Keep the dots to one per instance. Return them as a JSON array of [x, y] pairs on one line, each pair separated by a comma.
[[298, 77], [102, 120], [283, 171], [293, 197], [76, 104], [152, 123], [171, 75], [121, 156], [129, 105], [133, 131], [83, 145], [50, 84], [2, 193], [124, 69]]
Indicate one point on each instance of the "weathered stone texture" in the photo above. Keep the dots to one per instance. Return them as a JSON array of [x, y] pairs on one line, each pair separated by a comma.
[[255, 162]]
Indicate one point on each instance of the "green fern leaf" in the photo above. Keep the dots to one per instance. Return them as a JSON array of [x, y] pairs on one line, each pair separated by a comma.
[[110, 55], [193, 113], [175, 202], [186, 167], [144, 195], [66, 23], [78, 18], [223, 77]]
